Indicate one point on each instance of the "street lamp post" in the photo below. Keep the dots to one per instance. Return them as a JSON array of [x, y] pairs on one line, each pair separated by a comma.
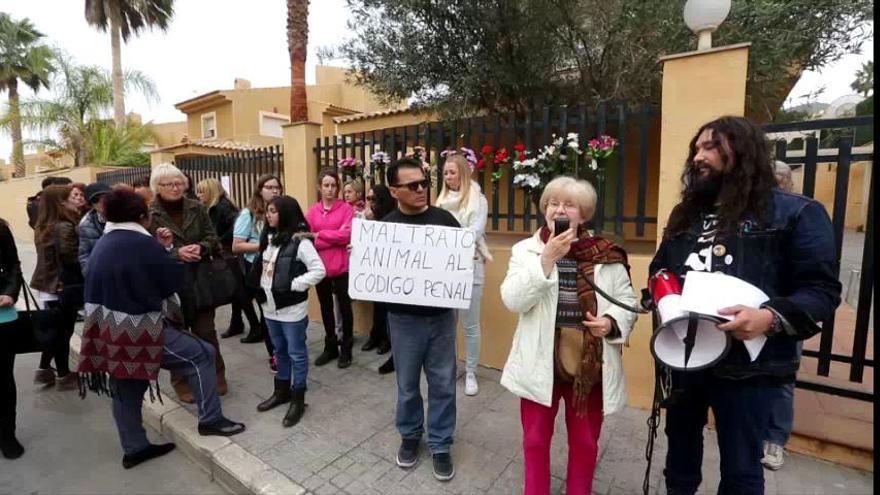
[[703, 17]]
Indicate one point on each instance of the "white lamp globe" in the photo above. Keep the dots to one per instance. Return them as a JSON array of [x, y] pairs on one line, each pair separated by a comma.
[[703, 17]]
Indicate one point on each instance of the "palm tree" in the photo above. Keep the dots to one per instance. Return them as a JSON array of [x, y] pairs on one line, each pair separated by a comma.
[[22, 59], [125, 17], [864, 82], [77, 112], [297, 43]]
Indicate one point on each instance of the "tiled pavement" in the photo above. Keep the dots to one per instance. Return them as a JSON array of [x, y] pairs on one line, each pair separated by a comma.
[[346, 442]]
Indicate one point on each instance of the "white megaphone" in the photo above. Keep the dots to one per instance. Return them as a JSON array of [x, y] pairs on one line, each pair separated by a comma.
[[684, 341]]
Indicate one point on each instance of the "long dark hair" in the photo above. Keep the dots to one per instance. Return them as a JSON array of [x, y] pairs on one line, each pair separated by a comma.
[[747, 188], [51, 211], [291, 220], [256, 204], [383, 202]]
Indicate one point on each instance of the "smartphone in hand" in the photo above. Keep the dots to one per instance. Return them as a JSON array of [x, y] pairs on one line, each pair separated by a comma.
[[560, 225]]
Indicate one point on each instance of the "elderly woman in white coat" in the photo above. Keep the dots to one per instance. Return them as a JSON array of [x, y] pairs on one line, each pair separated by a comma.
[[568, 340]]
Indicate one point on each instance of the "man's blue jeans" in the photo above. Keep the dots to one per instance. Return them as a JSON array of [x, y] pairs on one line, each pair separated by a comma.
[[782, 410], [291, 351], [185, 354], [425, 342], [741, 410]]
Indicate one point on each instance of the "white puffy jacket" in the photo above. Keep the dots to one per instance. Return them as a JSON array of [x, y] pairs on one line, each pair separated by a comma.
[[528, 372]]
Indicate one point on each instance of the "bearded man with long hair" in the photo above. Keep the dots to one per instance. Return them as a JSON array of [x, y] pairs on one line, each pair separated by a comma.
[[733, 219]]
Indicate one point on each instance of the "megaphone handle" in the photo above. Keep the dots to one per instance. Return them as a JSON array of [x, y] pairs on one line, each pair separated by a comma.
[[690, 339]]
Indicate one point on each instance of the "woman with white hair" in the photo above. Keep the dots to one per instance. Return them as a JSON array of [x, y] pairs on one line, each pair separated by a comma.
[[194, 238], [461, 196], [568, 340]]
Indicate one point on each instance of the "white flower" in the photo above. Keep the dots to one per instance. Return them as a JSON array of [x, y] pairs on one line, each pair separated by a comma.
[[572, 136], [558, 141], [530, 163], [519, 178], [593, 164], [551, 150], [532, 180]]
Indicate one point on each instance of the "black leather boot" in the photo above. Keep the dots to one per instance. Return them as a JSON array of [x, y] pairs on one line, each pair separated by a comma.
[[296, 409], [331, 352], [254, 335], [9, 445], [281, 395], [345, 353]]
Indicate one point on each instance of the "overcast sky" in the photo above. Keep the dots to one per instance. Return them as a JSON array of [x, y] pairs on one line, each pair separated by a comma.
[[211, 42]]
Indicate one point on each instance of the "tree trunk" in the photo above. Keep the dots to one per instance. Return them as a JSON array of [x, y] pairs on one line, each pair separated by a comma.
[[118, 94], [15, 114], [297, 43]]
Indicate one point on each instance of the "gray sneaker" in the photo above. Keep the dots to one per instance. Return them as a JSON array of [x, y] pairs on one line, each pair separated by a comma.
[[408, 454], [443, 468], [774, 456]]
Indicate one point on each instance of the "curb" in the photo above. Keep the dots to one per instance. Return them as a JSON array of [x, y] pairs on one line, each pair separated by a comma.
[[228, 463]]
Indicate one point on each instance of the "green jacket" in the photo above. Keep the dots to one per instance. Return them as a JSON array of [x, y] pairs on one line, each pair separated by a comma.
[[197, 227]]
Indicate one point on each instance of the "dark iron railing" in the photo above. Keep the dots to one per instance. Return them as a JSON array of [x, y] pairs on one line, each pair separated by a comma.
[[842, 159], [242, 167], [626, 174], [128, 175]]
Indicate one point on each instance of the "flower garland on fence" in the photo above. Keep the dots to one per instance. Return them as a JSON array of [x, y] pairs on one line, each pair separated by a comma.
[[378, 161], [350, 167], [560, 157]]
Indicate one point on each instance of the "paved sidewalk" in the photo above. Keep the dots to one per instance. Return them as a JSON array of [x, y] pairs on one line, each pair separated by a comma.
[[346, 442], [71, 447]]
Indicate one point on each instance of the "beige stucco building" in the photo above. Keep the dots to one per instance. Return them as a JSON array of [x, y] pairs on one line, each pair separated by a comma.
[[243, 118]]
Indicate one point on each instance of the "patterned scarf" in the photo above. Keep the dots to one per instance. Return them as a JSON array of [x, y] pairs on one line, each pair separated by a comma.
[[588, 251]]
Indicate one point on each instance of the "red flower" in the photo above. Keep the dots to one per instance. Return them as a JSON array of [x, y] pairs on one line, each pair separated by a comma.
[[481, 164], [486, 149], [502, 156], [519, 147]]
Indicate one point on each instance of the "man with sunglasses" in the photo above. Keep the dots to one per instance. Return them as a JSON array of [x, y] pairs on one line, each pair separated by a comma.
[[423, 337]]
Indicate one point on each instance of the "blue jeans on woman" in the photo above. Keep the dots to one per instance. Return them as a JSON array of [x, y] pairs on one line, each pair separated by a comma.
[[291, 351]]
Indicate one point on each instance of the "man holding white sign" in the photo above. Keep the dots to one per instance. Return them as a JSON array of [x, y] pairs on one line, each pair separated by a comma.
[[423, 268]]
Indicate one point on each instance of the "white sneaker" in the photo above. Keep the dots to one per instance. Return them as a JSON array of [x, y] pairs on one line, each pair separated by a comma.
[[773, 456], [470, 384]]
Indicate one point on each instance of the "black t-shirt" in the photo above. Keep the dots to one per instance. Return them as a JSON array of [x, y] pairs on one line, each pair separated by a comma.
[[431, 216]]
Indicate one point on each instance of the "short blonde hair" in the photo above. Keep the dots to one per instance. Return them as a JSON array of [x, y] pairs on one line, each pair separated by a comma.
[[212, 190], [163, 171], [579, 191], [357, 185]]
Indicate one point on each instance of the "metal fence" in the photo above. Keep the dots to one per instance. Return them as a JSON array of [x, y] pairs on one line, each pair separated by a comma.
[[242, 168], [626, 174], [128, 175], [857, 358]]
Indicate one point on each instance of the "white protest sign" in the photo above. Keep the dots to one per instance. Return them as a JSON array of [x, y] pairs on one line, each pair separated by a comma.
[[227, 184], [419, 265]]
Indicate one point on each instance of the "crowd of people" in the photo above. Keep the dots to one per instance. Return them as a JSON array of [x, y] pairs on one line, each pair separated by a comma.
[[570, 287]]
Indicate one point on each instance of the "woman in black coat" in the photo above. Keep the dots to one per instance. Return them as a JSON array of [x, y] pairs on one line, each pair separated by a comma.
[[10, 284], [223, 214], [379, 204]]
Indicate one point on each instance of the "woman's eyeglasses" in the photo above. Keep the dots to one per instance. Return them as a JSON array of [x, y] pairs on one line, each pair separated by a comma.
[[414, 186]]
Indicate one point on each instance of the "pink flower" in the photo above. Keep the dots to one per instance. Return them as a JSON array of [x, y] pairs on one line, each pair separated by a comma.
[[594, 143]]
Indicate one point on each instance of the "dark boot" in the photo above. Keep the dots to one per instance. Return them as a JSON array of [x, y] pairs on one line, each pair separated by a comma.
[[235, 328], [254, 335], [345, 353], [9, 445], [387, 366], [296, 409], [370, 344], [331, 352], [281, 395], [384, 347]]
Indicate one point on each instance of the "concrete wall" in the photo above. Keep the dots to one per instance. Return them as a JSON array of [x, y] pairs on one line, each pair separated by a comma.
[[224, 121], [14, 194]]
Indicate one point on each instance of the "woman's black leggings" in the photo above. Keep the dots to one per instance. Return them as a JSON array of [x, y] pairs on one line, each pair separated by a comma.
[[61, 352]]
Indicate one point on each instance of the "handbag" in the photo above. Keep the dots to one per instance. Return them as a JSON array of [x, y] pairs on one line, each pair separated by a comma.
[[567, 352], [215, 283], [35, 329]]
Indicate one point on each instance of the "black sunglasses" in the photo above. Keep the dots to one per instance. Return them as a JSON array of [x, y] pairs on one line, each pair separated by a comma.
[[414, 186]]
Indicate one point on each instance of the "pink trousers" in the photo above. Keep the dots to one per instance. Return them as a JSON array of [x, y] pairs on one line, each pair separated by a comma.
[[583, 441]]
